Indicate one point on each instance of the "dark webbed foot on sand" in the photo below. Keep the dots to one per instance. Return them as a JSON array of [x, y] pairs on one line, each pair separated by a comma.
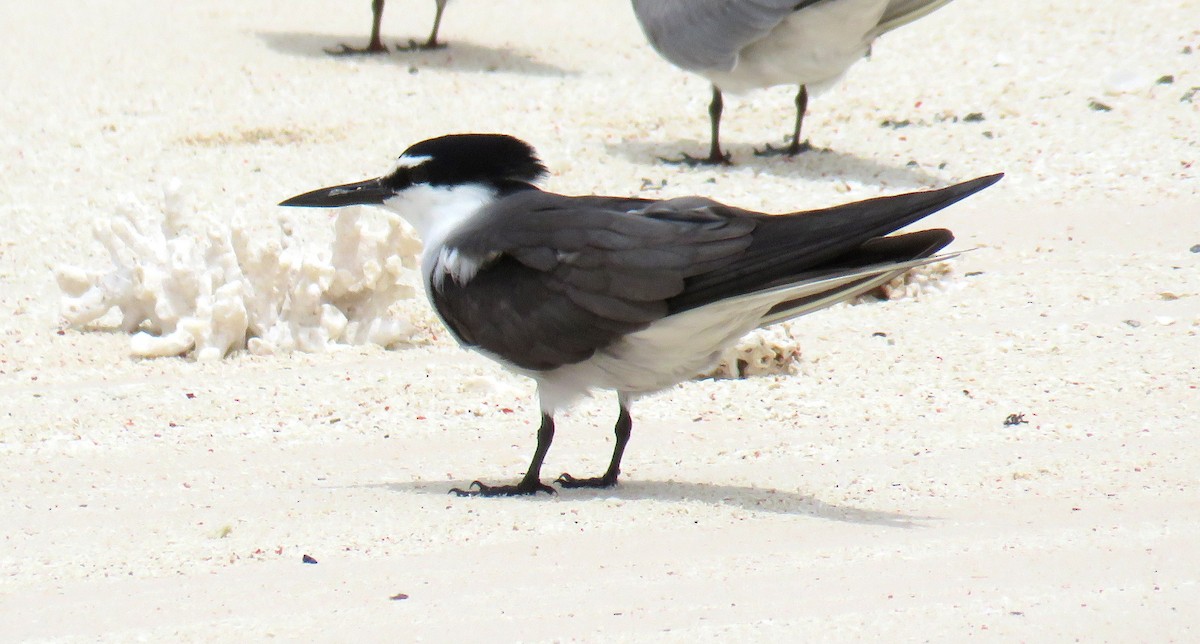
[[692, 162], [347, 50], [790, 150], [531, 483], [621, 432], [568, 481], [428, 45], [524, 488]]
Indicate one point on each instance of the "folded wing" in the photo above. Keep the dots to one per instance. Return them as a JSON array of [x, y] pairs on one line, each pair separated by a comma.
[[566, 276], [701, 35]]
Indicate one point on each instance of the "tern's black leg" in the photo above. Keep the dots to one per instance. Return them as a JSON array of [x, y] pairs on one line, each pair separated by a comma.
[[432, 41], [715, 156], [796, 147], [531, 483], [621, 430], [376, 44]]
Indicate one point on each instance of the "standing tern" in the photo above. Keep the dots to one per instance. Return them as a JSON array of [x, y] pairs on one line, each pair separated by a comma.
[[621, 293], [376, 45], [740, 45]]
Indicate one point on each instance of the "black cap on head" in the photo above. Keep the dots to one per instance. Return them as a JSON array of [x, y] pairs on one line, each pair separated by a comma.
[[499, 160], [456, 159]]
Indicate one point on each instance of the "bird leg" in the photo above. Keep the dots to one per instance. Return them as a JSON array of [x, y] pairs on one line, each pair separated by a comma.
[[715, 156], [796, 147], [531, 483], [375, 46], [432, 41], [621, 430]]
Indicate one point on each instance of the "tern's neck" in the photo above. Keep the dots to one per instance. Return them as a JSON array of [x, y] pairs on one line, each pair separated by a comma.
[[436, 211]]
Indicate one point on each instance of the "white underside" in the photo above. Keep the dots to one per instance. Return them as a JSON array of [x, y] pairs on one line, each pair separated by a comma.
[[813, 47], [678, 347]]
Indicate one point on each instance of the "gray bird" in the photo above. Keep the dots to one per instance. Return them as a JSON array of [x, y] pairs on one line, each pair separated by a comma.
[[376, 45], [740, 45], [620, 293]]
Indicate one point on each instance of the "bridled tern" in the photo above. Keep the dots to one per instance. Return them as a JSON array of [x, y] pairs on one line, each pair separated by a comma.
[[621, 293]]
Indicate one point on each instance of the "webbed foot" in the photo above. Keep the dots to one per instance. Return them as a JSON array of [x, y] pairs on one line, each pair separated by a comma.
[[568, 481], [346, 50], [790, 150], [692, 162], [524, 488]]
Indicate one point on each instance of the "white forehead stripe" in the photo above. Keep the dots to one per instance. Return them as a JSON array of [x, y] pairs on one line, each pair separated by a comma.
[[406, 161]]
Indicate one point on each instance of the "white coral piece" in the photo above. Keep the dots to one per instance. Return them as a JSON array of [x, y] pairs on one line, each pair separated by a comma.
[[194, 285], [770, 351], [776, 350], [917, 282]]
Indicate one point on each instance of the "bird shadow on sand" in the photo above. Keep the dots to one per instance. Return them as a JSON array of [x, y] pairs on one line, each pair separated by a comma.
[[814, 164], [754, 499], [458, 55]]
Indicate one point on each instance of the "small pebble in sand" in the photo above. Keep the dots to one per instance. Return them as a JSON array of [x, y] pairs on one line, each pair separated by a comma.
[[308, 560], [398, 596], [1015, 419], [1195, 249]]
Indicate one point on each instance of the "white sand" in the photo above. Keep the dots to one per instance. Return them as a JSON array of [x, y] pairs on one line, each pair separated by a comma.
[[877, 494]]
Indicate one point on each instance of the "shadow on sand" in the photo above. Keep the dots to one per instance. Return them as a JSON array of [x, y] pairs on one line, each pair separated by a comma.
[[747, 498], [459, 55], [815, 164]]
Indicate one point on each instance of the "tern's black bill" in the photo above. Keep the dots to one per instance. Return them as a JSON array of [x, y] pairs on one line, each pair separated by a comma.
[[369, 192]]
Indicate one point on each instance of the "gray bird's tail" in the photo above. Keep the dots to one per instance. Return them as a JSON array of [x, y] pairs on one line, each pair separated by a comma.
[[901, 12]]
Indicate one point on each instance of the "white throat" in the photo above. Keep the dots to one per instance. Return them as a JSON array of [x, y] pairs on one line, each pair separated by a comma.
[[435, 212]]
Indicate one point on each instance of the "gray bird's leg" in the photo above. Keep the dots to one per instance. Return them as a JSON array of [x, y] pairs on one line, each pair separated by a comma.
[[432, 41], [796, 147], [715, 156], [622, 430], [531, 483], [376, 44]]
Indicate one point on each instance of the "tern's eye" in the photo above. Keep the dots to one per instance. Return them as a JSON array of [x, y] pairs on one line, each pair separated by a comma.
[[418, 174]]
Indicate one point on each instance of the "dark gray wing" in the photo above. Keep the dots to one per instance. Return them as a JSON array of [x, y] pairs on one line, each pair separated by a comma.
[[807, 244], [569, 275], [699, 35]]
